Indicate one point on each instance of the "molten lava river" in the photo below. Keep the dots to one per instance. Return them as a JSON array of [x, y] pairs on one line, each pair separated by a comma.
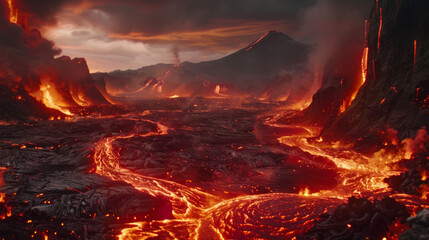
[[185, 169]]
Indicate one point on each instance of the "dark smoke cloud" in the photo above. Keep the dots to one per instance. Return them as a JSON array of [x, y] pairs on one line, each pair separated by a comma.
[[28, 61], [176, 55], [42, 12], [21, 50], [160, 17]]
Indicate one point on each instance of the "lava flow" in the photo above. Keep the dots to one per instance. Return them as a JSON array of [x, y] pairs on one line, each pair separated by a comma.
[[379, 30], [200, 215], [49, 101], [186, 201]]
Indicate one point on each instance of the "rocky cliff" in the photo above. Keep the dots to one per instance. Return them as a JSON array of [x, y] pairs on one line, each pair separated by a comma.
[[396, 92]]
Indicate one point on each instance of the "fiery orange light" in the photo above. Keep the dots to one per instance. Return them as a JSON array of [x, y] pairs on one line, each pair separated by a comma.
[[364, 64], [49, 101], [304, 192], [343, 106], [424, 191], [361, 173], [2, 197], [220, 90], [217, 89], [424, 176], [13, 12], [364, 68], [194, 209], [379, 30]]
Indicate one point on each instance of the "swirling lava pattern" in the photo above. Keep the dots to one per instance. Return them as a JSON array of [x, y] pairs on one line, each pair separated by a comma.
[[268, 216], [200, 215]]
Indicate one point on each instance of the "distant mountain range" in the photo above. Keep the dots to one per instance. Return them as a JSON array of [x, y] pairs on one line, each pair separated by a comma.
[[271, 67]]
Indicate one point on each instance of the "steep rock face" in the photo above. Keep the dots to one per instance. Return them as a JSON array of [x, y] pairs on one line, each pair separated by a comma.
[[395, 94], [74, 73]]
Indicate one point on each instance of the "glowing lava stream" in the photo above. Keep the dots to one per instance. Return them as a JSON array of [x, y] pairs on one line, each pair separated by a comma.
[[358, 173], [204, 216], [186, 201], [200, 215]]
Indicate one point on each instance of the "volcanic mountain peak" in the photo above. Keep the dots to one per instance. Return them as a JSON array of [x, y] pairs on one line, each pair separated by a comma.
[[271, 60], [266, 57], [267, 38]]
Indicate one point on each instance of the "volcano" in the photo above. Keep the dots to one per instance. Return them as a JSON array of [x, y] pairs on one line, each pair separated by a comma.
[[243, 147], [268, 68]]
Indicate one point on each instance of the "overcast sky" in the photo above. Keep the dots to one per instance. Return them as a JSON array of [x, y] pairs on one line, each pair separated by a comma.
[[128, 34]]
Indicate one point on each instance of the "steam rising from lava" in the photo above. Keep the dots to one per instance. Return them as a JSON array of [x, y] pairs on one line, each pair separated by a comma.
[[341, 56]]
